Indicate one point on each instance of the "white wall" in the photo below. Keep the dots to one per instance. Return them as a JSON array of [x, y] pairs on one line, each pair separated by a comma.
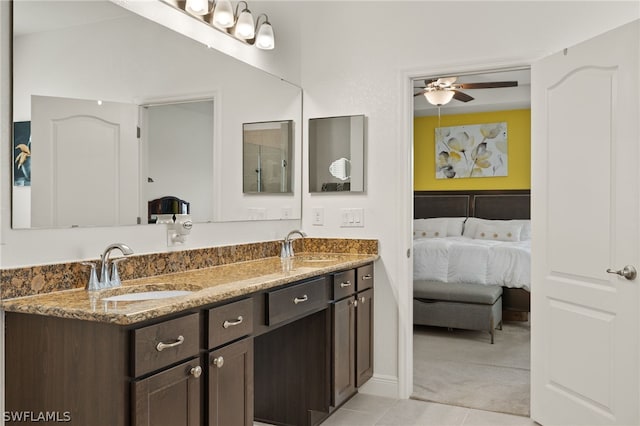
[[356, 57]]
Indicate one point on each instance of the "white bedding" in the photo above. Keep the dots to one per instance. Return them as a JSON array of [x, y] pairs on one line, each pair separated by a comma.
[[469, 260]]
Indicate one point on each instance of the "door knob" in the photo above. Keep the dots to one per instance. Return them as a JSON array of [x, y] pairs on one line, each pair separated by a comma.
[[629, 272]]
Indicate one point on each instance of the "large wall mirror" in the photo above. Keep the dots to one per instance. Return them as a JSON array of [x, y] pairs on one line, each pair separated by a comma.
[[112, 110], [336, 154]]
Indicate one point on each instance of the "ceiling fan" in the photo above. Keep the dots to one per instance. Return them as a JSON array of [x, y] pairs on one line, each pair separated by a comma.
[[440, 91]]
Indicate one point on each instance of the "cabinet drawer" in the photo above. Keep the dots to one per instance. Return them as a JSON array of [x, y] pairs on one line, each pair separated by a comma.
[[230, 322], [296, 300], [165, 343], [344, 284], [364, 280]]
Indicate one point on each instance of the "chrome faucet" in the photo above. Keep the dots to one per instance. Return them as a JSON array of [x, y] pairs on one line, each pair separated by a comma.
[[287, 247], [105, 282]]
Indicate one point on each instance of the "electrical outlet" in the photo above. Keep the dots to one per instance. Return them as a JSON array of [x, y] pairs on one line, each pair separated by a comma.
[[286, 213], [318, 216]]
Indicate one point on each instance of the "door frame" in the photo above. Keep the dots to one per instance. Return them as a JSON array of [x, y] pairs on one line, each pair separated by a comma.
[[405, 202]]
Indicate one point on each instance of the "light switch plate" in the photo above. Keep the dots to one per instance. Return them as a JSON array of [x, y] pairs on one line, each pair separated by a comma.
[[352, 218]]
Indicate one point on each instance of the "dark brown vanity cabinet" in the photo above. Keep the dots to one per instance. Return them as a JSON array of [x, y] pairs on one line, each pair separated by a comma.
[[172, 396], [287, 355], [352, 332], [230, 365]]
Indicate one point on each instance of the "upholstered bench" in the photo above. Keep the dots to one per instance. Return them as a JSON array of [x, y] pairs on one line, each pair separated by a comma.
[[458, 305]]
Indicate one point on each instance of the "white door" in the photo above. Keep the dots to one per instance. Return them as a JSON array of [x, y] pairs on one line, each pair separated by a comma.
[[585, 211], [84, 164]]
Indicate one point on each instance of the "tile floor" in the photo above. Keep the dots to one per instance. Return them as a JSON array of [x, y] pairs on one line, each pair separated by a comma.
[[369, 410]]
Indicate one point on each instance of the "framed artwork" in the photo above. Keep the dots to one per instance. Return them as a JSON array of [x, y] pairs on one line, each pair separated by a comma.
[[22, 153], [476, 150]]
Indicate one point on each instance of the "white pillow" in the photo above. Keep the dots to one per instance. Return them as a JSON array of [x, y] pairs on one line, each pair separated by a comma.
[[498, 231], [472, 223], [430, 229], [454, 224]]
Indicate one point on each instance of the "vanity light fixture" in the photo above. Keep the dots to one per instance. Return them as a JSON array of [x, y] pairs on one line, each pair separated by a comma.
[[439, 97], [239, 25], [264, 34]]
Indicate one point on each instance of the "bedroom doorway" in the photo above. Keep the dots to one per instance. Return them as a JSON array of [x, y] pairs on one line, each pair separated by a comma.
[[472, 160]]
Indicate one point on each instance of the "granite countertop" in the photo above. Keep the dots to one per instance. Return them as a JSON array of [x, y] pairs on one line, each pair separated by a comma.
[[208, 285]]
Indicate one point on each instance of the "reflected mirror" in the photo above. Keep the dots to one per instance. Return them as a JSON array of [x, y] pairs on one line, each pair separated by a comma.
[[266, 157], [336, 154], [74, 62]]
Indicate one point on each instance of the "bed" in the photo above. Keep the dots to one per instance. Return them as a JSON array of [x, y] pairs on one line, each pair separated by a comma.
[[486, 241]]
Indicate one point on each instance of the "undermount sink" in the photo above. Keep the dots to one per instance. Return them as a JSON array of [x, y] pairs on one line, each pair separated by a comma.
[[146, 295]]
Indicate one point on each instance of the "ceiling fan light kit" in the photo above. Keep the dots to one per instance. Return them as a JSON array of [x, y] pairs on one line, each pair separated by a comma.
[[439, 97]]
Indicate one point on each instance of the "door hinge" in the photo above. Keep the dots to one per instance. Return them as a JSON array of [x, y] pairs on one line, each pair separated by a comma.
[[138, 132]]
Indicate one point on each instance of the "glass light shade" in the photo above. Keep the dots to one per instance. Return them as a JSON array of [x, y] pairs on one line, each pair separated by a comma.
[[197, 7], [244, 25], [223, 14], [265, 39], [439, 97]]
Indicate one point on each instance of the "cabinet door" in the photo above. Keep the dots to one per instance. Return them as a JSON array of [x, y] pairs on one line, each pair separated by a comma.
[[169, 398], [344, 341], [364, 336], [231, 384]]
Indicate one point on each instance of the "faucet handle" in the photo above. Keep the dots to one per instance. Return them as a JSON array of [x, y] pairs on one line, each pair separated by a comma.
[[93, 284], [115, 276]]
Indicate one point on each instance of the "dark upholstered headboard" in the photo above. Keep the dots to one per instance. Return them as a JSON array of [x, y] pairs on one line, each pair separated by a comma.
[[491, 204]]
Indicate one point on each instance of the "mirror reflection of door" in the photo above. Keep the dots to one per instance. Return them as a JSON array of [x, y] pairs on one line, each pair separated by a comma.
[[84, 163], [177, 143], [267, 157]]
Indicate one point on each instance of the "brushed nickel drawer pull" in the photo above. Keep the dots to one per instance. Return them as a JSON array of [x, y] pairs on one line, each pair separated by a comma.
[[367, 277], [196, 371], [345, 284], [228, 324], [218, 361], [300, 299], [162, 346]]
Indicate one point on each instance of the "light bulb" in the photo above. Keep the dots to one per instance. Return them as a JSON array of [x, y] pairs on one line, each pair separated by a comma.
[[265, 39], [244, 26], [223, 14], [197, 7]]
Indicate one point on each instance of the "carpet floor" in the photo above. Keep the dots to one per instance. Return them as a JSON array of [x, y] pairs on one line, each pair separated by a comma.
[[460, 367]]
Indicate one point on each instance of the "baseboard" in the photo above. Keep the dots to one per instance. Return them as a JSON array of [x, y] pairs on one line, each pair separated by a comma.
[[381, 385]]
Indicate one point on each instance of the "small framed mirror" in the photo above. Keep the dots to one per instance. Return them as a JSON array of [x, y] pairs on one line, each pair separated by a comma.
[[336, 154], [266, 157]]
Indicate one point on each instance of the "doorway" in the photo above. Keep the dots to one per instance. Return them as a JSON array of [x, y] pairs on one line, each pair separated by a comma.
[[452, 365]]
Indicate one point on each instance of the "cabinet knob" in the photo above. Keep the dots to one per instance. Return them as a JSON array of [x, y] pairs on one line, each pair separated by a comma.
[[362, 299], [354, 303], [196, 371], [218, 361]]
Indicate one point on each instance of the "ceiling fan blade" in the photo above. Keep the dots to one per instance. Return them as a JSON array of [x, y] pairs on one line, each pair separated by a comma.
[[422, 92], [463, 97], [489, 85]]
